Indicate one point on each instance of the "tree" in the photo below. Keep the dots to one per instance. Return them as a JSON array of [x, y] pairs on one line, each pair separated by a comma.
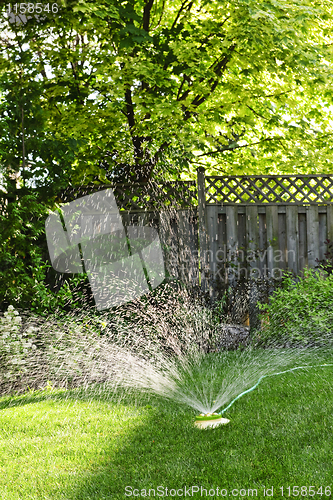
[[151, 88], [29, 153]]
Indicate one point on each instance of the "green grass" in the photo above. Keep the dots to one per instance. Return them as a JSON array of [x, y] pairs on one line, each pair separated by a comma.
[[76, 445]]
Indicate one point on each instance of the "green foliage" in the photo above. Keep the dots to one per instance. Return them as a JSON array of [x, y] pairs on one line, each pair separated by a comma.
[[130, 89], [29, 148], [35, 350], [15, 347], [24, 266], [71, 296], [220, 308], [22, 269], [300, 312]]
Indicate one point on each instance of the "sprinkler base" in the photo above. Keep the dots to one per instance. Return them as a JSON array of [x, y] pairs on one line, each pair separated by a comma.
[[204, 424]]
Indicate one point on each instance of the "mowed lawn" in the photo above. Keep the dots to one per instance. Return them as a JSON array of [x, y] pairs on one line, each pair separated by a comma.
[[76, 445]]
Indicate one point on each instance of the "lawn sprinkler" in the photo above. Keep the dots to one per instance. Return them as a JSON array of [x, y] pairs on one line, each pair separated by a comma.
[[210, 420]]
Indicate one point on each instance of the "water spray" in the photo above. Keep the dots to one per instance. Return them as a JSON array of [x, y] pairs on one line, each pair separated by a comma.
[[212, 420]]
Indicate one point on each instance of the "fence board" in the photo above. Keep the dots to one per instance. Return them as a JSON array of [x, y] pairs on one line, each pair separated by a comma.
[[330, 223], [262, 245], [292, 238], [252, 240], [222, 248], [322, 235], [252, 261], [302, 242], [193, 243], [312, 224], [282, 262], [168, 233], [184, 250], [163, 225], [202, 223], [272, 225], [242, 245], [232, 240], [212, 237]]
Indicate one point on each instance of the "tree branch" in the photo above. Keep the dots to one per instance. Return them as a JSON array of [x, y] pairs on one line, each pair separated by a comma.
[[129, 109], [258, 114], [146, 15], [160, 19], [43, 72], [187, 79], [323, 136], [180, 11], [220, 68], [209, 153]]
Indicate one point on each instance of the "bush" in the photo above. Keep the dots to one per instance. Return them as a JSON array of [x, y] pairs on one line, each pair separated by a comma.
[[21, 247], [300, 312], [15, 347], [63, 349], [24, 270], [84, 347]]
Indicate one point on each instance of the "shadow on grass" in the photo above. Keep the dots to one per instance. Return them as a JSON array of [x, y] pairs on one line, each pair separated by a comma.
[[12, 401], [163, 450], [157, 448]]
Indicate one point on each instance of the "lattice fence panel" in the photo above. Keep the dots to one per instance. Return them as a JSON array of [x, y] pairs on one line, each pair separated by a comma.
[[284, 189]]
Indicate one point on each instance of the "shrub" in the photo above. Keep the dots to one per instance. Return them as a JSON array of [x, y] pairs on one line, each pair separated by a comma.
[[21, 248], [300, 312], [15, 346], [62, 349], [24, 266]]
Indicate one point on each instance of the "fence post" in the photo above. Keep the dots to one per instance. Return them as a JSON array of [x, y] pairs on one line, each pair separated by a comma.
[[202, 223]]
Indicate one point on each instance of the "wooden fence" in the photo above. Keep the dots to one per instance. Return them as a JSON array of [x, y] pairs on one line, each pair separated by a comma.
[[217, 230], [265, 225]]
